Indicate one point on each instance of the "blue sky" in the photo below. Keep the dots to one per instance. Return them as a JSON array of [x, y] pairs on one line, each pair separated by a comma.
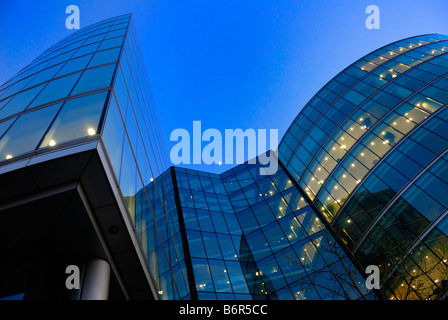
[[230, 64]]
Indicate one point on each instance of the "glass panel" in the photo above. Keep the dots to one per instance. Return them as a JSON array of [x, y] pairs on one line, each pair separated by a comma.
[[271, 273], [86, 49], [237, 277], [290, 265], [276, 238], [227, 248], [195, 244], [56, 89], [62, 57], [128, 176], [5, 125], [75, 65], [78, 118], [202, 275], [211, 245], [17, 140], [220, 276], [19, 102], [422, 202], [113, 134], [94, 79], [205, 221], [104, 57], [247, 221], [292, 228], [258, 245], [110, 43], [44, 75]]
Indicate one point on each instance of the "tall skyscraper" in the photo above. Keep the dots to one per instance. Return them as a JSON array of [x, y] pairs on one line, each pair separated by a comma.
[[362, 180], [79, 138]]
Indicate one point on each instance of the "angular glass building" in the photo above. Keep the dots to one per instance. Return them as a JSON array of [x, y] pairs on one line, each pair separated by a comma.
[[241, 236], [362, 180], [79, 136]]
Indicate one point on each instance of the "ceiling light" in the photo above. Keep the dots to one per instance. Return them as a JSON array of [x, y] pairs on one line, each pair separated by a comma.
[[91, 131]]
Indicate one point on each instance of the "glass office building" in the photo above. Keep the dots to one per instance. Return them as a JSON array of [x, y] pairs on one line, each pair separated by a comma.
[[362, 180], [241, 236], [370, 151], [78, 125]]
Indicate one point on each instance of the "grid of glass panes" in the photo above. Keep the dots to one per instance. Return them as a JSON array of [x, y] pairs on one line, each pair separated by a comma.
[[61, 95], [360, 116], [423, 272], [324, 117], [387, 205], [132, 139], [85, 41], [401, 112], [214, 236], [375, 70], [295, 256], [157, 225], [130, 132], [414, 213], [397, 169]]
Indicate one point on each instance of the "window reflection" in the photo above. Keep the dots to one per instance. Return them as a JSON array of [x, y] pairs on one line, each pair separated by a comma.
[[17, 141], [77, 118]]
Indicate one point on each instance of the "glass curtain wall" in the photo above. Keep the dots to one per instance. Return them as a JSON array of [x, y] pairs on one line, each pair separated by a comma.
[[364, 148]]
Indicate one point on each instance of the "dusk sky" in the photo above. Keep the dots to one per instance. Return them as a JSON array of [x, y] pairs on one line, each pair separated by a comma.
[[230, 64]]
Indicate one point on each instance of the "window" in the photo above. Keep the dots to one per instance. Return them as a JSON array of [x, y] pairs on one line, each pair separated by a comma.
[[86, 50], [290, 265], [227, 248], [276, 238], [212, 201], [110, 43], [56, 89], [5, 125], [202, 275], [236, 277], [113, 135], [258, 245], [17, 140], [78, 118], [44, 75], [94, 79], [211, 245], [19, 102], [220, 276], [75, 65], [195, 244], [205, 221], [271, 273], [247, 221], [422, 202]]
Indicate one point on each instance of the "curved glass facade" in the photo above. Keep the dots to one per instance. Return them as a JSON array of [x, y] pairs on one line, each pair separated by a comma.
[[369, 150]]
